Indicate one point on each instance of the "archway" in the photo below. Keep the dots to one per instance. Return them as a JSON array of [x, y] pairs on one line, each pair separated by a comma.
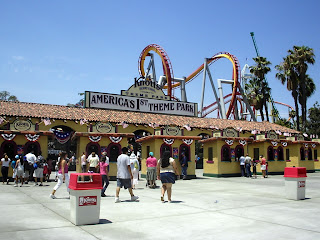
[[113, 151], [239, 151], [61, 141], [10, 148], [165, 147], [270, 153], [93, 147], [280, 153], [225, 153], [32, 146], [186, 149]]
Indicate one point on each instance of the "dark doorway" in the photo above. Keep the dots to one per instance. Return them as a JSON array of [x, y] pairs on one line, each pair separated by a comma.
[[239, 151], [10, 148], [114, 150]]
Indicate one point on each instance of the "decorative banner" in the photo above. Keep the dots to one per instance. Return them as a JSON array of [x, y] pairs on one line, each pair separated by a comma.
[[284, 144], [313, 145], [20, 149], [243, 142], [233, 153], [115, 139], [274, 143], [175, 153], [95, 138], [62, 137], [32, 137], [229, 142], [187, 141], [8, 137], [306, 145], [168, 141], [46, 121]]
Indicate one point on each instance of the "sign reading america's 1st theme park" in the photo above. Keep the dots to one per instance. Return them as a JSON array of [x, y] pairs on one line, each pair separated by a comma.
[[136, 104]]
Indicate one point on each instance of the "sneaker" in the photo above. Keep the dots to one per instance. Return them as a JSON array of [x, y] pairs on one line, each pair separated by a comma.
[[15, 185], [52, 196], [103, 195], [36, 184], [117, 200], [134, 198], [40, 184]]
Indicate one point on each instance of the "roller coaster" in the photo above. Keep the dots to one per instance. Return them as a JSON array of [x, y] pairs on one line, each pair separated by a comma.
[[235, 102]]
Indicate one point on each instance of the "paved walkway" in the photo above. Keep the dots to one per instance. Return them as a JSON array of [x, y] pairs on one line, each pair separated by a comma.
[[203, 208]]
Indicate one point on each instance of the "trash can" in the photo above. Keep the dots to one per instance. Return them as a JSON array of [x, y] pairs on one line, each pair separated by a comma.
[[85, 195], [295, 182]]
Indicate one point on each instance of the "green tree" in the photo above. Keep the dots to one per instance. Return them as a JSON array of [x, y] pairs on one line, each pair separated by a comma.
[[287, 75], [255, 96], [6, 96], [302, 56], [284, 122], [313, 122], [260, 70]]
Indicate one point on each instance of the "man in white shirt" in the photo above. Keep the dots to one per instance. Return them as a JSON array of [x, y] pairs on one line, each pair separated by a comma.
[[93, 160], [31, 159], [124, 175], [242, 167]]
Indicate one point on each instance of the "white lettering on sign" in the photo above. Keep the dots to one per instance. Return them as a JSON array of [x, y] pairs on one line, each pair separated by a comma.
[[126, 103], [87, 200], [301, 184]]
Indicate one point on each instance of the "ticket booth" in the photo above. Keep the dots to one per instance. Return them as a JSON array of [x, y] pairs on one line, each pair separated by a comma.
[[175, 144], [110, 143], [221, 155]]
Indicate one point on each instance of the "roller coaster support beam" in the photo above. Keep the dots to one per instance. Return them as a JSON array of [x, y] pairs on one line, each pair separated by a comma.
[[206, 70], [253, 116], [223, 109], [151, 64], [182, 82], [162, 81]]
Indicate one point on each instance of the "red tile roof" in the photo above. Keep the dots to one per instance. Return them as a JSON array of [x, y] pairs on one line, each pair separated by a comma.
[[37, 110]]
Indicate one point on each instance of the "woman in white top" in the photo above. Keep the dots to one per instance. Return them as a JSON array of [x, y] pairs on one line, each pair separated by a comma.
[[166, 171], [5, 168], [134, 164], [19, 171]]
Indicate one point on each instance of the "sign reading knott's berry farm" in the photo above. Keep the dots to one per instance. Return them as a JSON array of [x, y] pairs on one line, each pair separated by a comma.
[[142, 96]]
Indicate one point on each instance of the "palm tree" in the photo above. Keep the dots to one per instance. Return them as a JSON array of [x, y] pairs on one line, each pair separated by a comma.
[[302, 56], [310, 88], [260, 71], [255, 96], [287, 75]]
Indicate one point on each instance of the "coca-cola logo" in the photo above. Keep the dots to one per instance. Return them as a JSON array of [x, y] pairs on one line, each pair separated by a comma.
[[87, 200]]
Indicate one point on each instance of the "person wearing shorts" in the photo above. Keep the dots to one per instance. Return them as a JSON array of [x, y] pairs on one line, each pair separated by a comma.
[[166, 172], [19, 172], [263, 166], [124, 175]]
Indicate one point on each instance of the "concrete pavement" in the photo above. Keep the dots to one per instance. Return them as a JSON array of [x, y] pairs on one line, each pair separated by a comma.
[[203, 208]]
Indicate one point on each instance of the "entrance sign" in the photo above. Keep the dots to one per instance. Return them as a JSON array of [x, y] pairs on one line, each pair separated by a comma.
[[104, 127], [22, 125], [145, 89], [136, 104]]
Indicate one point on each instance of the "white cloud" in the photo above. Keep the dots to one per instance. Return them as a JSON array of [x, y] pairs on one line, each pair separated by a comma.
[[19, 58]]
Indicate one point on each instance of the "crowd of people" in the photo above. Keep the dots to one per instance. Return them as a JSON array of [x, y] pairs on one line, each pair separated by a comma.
[[246, 163], [128, 165]]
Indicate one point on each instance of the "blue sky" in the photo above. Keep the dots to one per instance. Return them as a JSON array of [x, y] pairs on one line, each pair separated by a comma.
[[52, 50]]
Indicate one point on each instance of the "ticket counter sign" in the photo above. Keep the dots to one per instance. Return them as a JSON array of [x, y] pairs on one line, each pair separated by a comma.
[[136, 104]]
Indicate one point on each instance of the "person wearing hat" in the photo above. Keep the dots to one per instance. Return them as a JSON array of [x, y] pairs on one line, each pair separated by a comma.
[[151, 170]]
